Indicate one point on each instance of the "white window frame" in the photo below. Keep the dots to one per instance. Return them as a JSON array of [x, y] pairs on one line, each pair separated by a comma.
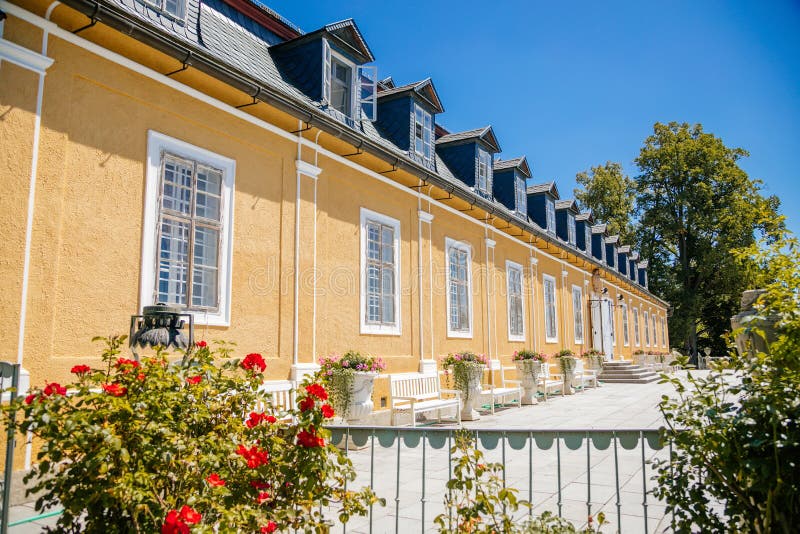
[[626, 337], [388, 329], [603, 249], [157, 144], [637, 337], [663, 332], [513, 266], [571, 229], [520, 196], [646, 318], [419, 110], [460, 245], [329, 56], [485, 169], [577, 314], [545, 279], [653, 331], [550, 214], [588, 238], [160, 6]]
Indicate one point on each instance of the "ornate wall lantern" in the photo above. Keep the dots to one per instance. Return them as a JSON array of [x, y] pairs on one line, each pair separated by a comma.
[[161, 325]]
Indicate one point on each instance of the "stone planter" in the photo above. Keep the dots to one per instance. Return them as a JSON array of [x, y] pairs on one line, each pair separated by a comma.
[[472, 373], [594, 363], [567, 369], [359, 403], [528, 374]]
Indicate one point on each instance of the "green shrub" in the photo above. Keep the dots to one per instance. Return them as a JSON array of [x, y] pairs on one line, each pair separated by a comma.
[[157, 446]]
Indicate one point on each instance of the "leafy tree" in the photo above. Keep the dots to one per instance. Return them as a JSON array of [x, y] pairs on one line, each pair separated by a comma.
[[695, 206], [735, 433], [610, 194]]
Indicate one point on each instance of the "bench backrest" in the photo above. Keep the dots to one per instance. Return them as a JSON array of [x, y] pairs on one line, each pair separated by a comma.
[[497, 365], [416, 385], [282, 394]]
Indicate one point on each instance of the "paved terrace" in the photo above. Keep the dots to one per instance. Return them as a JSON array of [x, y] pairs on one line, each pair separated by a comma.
[[612, 406]]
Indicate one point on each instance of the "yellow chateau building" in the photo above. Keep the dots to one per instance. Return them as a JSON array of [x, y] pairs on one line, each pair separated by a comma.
[[212, 156]]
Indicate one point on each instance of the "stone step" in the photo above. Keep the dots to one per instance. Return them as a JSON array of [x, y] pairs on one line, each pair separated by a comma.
[[615, 376], [628, 380]]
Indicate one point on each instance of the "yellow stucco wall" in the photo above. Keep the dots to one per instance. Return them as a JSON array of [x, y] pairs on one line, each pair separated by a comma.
[[87, 233]]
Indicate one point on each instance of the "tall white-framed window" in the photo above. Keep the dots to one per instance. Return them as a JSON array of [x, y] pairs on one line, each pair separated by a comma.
[[550, 213], [550, 313], [653, 332], [350, 91], [484, 181], [516, 307], [342, 91], [577, 310], [520, 196], [174, 8], [571, 229], [188, 229], [626, 340], [646, 329], [423, 126], [459, 288], [380, 274], [636, 336], [663, 332]]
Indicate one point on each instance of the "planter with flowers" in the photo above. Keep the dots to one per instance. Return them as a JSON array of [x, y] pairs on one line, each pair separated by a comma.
[[639, 357], [529, 365], [175, 446], [566, 364], [350, 379], [594, 359], [467, 371]]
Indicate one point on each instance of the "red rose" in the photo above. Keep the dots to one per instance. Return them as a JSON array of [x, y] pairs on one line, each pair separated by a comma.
[[54, 388], [140, 377], [270, 419], [194, 379], [214, 480], [126, 365], [254, 456], [309, 439], [115, 389], [307, 404], [189, 515], [80, 369], [263, 497], [271, 527], [259, 484], [174, 525], [201, 344], [256, 418], [251, 361], [316, 390], [29, 398], [327, 411]]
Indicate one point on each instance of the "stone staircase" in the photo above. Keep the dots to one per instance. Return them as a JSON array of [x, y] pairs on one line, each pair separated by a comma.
[[625, 373]]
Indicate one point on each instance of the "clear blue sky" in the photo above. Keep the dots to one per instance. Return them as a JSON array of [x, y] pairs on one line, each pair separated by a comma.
[[573, 84]]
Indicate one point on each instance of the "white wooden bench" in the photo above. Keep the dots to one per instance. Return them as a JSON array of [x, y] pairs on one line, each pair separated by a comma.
[[583, 376], [283, 397], [415, 393], [548, 382], [507, 390]]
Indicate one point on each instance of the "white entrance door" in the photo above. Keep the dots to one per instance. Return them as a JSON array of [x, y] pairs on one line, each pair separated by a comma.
[[603, 326]]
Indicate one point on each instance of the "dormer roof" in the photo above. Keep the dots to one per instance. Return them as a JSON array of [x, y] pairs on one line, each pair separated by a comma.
[[520, 164], [422, 89], [643, 264], [547, 187], [485, 134], [612, 239], [624, 249], [344, 33], [599, 228], [634, 255], [567, 204], [585, 216]]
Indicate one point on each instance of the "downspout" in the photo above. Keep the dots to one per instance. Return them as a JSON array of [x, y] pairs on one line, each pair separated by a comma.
[[296, 329], [314, 296], [490, 243], [534, 275], [564, 308], [430, 276], [421, 293]]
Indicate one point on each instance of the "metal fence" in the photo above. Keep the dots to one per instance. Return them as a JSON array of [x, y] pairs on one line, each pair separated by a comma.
[[574, 473], [9, 378]]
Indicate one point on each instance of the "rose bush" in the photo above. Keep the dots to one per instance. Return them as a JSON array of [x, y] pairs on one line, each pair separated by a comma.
[[149, 446]]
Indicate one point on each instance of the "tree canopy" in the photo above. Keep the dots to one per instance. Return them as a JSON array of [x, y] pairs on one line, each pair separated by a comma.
[[609, 193]]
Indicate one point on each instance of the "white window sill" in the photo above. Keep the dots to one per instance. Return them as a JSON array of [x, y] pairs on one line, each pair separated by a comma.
[[375, 330], [550, 339], [517, 339], [459, 335]]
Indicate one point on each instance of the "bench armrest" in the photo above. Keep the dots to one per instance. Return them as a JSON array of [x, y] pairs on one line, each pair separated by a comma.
[[456, 392]]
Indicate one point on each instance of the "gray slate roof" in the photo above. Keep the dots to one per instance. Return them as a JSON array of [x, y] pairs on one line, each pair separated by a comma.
[[612, 239], [547, 187], [624, 249], [520, 163], [585, 216], [599, 228], [568, 203]]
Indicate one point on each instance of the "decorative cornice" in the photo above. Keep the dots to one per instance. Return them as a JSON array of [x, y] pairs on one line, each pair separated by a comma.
[[424, 216], [25, 58]]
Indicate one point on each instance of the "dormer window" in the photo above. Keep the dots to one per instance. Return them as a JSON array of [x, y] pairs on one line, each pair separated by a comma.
[[174, 8], [550, 207], [341, 86], [349, 90], [484, 182], [521, 198], [588, 237], [571, 229], [423, 133]]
